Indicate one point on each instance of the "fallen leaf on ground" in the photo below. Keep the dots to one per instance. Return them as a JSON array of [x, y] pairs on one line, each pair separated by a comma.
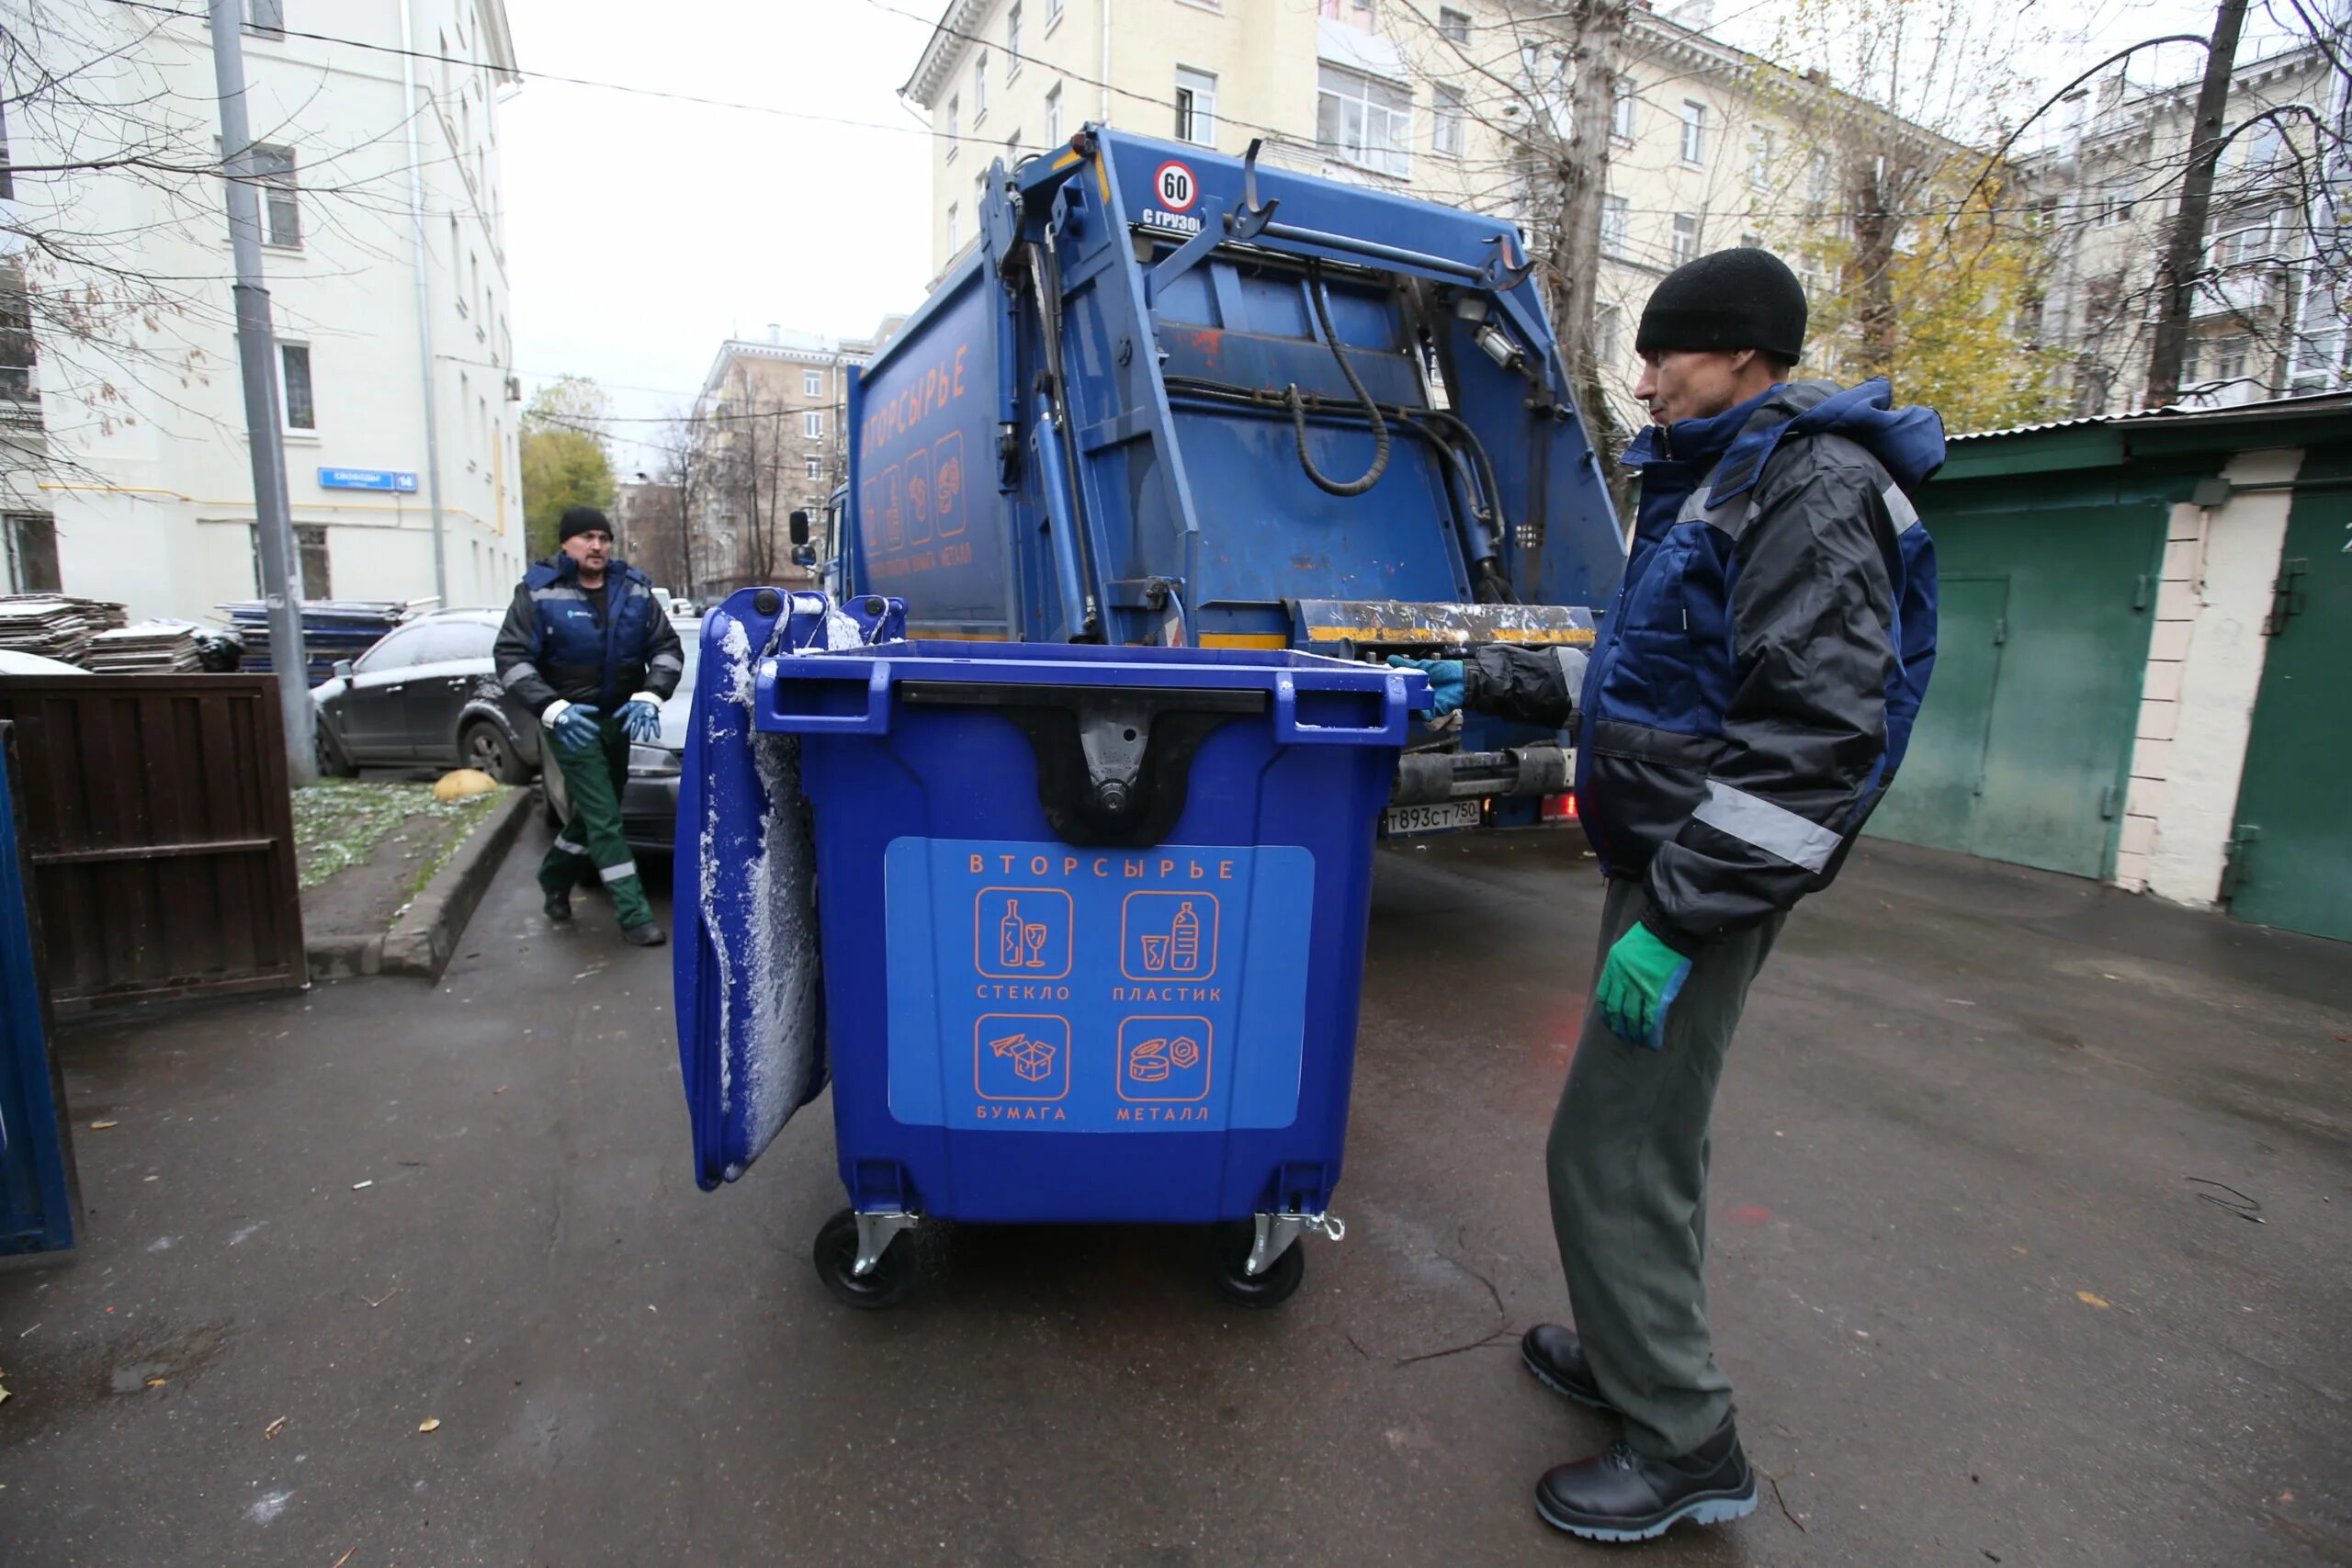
[[358, 1185], [102, 1127], [430, 1424], [2088, 1299], [157, 1382], [4, 1394], [274, 1427]]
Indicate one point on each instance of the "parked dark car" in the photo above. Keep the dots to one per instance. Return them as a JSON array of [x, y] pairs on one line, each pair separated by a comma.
[[425, 695], [650, 803]]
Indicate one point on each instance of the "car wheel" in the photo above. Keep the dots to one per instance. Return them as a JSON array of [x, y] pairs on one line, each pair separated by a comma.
[[332, 763], [484, 745]]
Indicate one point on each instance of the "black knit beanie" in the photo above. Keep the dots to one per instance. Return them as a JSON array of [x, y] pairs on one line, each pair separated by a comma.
[[581, 520], [1731, 299]]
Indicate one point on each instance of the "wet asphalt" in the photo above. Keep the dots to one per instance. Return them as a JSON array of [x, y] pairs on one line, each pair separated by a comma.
[[2032, 1226]]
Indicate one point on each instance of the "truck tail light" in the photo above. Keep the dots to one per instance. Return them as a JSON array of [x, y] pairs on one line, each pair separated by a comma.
[[1560, 808]]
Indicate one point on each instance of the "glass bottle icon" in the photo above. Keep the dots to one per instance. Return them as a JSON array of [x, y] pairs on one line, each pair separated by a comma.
[[1011, 947], [1184, 940]]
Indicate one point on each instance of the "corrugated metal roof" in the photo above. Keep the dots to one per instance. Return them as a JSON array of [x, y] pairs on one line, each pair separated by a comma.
[[2313, 402]]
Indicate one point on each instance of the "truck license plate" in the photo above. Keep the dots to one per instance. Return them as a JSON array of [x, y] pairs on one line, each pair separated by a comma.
[[1399, 819]]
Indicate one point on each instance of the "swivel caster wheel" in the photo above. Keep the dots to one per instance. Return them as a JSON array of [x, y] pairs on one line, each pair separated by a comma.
[[887, 1284], [1231, 1256]]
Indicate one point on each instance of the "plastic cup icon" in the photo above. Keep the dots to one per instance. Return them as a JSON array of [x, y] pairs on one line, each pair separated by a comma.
[[1155, 953]]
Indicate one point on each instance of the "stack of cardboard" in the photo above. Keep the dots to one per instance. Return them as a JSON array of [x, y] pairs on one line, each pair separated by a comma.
[[155, 646], [55, 626]]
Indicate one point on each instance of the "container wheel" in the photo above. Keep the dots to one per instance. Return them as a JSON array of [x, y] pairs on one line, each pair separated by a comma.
[[836, 1255], [1237, 1284]]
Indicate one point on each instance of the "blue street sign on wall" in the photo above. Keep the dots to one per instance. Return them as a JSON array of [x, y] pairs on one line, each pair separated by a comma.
[[365, 479]]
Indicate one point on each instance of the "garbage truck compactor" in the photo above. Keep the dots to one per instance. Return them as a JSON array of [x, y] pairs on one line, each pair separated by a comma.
[[1170, 398]]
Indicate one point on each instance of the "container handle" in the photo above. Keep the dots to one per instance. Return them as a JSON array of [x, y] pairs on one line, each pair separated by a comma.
[[812, 679], [1395, 710]]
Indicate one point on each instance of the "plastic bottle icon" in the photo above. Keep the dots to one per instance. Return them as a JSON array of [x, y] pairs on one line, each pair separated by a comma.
[[1012, 945], [1184, 940]]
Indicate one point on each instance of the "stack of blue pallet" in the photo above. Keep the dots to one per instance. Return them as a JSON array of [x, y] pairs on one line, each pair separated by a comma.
[[331, 629]]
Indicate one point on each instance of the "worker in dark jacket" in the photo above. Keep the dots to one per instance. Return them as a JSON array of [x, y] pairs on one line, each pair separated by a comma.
[[588, 648], [1743, 708]]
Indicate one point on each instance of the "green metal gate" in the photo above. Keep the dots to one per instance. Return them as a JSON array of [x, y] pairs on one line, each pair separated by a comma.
[[2290, 857], [2024, 750]]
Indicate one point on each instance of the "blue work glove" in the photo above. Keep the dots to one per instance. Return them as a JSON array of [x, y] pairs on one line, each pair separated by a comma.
[[1639, 982], [575, 727], [641, 719], [1445, 681]]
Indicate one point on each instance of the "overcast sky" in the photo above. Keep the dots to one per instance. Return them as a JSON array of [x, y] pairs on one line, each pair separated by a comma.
[[642, 231]]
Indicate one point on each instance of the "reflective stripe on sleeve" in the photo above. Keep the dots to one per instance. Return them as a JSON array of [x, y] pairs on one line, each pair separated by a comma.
[[525, 671], [568, 847], [1774, 829], [1899, 507], [620, 873]]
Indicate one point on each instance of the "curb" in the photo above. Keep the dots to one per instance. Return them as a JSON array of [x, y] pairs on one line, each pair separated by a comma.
[[423, 940]]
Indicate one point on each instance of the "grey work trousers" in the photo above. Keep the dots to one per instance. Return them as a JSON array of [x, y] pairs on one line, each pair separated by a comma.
[[1628, 1165]]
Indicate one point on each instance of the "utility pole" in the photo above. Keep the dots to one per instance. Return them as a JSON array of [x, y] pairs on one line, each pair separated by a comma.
[[2184, 258], [265, 426]]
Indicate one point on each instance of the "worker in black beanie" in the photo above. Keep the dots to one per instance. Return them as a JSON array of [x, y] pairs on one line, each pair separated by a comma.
[[1741, 711]]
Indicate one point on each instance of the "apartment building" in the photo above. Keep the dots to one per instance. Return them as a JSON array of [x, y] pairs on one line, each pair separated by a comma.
[[2268, 318], [769, 441], [384, 255], [1711, 146]]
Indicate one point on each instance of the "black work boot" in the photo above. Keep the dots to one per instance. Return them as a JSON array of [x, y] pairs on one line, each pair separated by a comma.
[[1555, 1357], [646, 935], [1623, 1496], [557, 905]]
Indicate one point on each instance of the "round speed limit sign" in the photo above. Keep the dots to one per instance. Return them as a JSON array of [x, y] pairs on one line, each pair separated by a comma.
[[1175, 186]]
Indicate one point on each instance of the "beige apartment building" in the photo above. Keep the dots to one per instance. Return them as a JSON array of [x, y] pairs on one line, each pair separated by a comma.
[[2267, 319], [1710, 146], [768, 441]]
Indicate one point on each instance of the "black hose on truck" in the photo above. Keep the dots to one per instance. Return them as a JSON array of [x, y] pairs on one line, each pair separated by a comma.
[[1298, 406]]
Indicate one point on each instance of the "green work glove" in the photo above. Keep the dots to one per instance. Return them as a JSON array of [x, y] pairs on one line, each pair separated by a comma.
[[1637, 984]]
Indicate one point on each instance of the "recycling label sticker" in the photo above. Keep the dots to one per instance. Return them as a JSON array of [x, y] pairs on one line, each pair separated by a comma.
[[1044, 987]]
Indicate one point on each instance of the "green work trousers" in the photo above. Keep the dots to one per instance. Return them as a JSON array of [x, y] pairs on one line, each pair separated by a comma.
[[1628, 1167], [591, 841]]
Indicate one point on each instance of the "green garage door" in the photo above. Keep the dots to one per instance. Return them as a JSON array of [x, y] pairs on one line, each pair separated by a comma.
[[2024, 747], [2292, 863]]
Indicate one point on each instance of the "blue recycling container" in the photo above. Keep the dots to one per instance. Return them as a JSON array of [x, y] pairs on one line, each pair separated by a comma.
[[1092, 924]]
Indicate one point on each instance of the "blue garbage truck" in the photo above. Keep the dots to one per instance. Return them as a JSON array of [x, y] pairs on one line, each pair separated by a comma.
[[1178, 399]]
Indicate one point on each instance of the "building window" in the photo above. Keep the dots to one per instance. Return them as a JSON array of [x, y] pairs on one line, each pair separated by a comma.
[[1012, 149], [812, 425], [1358, 12], [1364, 120], [2264, 145], [980, 86], [1053, 14], [266, 18], [1686, 238], [310, 555], [1762, 145], [2116, 202], [1012, 42], [32, 552], [1054, 114], [1694, 131], [1607, 320], [955, 125], [1196, 107], [1453, 26], [18, 351], [812, 383], [2244, 244], [2230, 355], [1622, 93], [281, 215], [979, 202], [1816, 182], [812, 467], [1446, 121], [1615, 211], [955, 230], [294, 386]]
